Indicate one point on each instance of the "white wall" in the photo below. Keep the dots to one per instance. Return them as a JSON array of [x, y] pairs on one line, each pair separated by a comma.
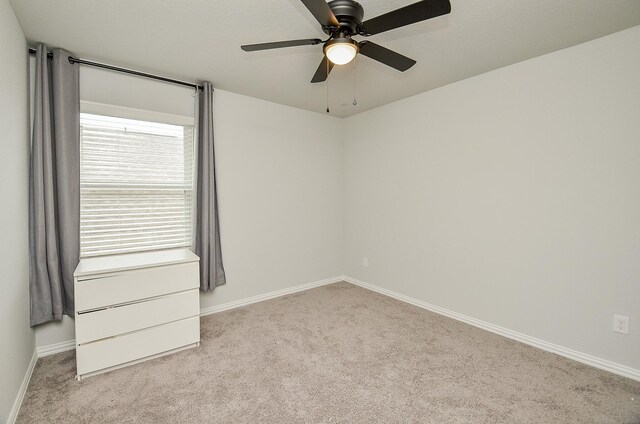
[[16, 338], [279, 173], [512, 197]]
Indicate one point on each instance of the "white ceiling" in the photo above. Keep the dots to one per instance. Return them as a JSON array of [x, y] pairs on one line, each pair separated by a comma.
[[200, 39]]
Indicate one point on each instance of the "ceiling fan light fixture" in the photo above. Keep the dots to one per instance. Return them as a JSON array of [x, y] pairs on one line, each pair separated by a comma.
[[341, 51]]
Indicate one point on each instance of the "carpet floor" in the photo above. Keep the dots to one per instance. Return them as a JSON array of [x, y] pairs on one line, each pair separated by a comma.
[[336, 354]]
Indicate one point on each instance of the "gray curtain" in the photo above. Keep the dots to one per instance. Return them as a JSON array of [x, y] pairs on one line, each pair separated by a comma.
[[207, 245], [54, 187]]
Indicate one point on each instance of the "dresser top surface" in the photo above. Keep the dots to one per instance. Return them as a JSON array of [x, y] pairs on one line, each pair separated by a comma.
[[131, 261]]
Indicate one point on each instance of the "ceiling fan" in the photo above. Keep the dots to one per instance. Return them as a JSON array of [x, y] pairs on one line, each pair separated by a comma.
[[342, 19]]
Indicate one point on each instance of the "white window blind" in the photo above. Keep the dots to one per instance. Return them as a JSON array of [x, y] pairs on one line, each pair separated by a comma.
[[136, 185]]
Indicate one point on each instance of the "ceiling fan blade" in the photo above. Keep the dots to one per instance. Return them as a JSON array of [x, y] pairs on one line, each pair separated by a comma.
[[323, 71], [386, 56], [322, 12], [407, 15], [280, 44]]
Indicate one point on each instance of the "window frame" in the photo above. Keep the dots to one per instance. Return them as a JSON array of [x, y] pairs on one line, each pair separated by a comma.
[[125, 112]]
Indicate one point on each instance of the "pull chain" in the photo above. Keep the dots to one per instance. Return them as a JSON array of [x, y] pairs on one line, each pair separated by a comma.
[[327, 60], [355, 81]]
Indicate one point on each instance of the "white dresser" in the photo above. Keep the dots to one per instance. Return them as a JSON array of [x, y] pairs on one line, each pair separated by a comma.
[[135, 306]]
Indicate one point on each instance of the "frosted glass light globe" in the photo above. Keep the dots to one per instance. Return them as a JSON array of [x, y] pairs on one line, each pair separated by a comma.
[[341, 53]]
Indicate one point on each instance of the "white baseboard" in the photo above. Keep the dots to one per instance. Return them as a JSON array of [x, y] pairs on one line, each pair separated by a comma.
[[17, 403], [71, 344], [55, 348], [267, 296], [584, 358]]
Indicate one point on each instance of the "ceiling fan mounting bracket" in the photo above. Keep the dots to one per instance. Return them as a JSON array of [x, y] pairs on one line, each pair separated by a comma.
[[349, 14]]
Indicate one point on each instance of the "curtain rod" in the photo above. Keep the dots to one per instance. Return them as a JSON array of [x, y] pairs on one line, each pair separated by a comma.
[[125, 70]]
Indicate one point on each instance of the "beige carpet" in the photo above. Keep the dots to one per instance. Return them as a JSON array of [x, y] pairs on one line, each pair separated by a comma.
[[336, 354]]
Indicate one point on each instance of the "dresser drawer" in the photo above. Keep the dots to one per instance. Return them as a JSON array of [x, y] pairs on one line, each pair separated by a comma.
[[96, 292], [128, 347], [125, 318]]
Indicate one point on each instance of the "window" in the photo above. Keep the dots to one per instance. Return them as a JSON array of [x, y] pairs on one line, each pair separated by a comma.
[[136, 180]]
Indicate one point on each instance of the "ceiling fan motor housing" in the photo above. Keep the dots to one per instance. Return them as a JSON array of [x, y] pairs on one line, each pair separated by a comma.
[[349, 14]]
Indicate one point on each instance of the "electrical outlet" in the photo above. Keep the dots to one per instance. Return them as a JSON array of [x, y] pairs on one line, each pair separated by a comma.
[[365, 261], [621, 324]]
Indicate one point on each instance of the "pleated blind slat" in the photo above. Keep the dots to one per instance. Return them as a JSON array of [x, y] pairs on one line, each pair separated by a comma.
[[136, 185]]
